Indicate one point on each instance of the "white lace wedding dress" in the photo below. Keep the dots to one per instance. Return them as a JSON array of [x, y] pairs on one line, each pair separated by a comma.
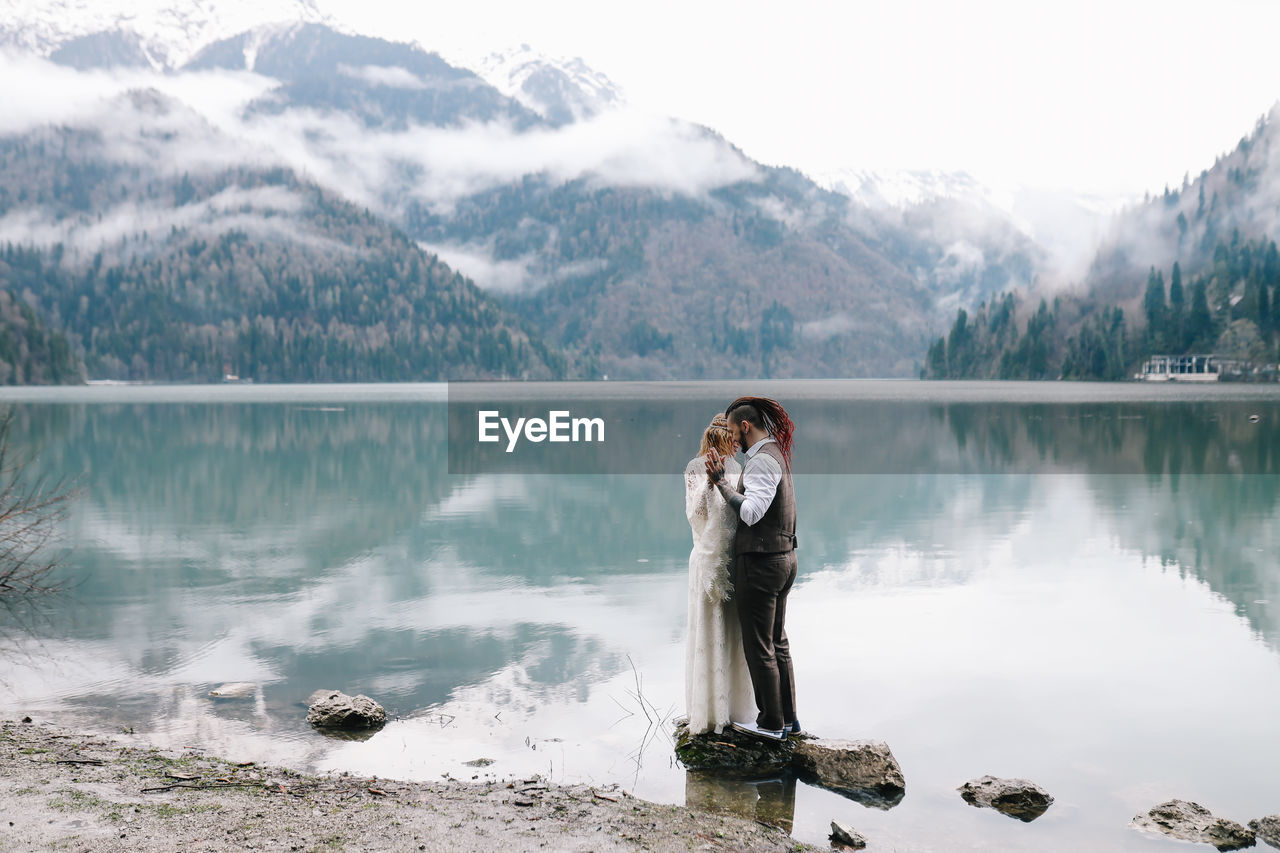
[[717, 685]]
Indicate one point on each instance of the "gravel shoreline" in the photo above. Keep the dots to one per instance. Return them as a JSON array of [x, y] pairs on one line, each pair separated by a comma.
[[68, 790]]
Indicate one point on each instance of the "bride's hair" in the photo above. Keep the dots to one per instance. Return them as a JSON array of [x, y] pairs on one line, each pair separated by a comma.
[[767, 415], [717, 437]]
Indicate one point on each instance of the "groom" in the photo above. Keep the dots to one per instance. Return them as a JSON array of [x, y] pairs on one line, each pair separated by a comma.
[[764, 556]]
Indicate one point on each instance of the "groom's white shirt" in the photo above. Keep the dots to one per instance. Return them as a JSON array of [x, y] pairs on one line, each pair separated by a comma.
[[760, 478]]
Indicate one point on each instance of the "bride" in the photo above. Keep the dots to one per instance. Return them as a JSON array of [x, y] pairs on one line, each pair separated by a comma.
[[717, 685]]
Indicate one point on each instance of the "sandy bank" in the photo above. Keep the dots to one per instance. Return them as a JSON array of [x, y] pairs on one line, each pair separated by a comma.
[[71, 791]]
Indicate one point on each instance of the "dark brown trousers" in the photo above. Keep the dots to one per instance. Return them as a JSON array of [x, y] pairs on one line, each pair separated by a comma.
[[761, 583]]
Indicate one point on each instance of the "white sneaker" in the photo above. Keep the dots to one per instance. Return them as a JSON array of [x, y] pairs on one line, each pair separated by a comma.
[[753, 729]]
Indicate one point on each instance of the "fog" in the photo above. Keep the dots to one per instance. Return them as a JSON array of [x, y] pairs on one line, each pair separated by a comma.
[[254, 211], [619, 148], [197, 122]]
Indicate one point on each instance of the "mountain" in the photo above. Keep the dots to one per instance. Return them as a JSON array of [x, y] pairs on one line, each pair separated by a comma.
[[760, 277], [1238, 198], [1061, 229], [1193, 270], [166, 33], [615, 233], [637, 247], [113, 49], [560, 90], [902, 188], [159, 274], [384, 84]]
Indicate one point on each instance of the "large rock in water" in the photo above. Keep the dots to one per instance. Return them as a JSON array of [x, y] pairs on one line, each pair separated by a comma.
[[862, 770], [1015, 797], [731, 753], [1267, 829], [1193, 822], [337, 710]]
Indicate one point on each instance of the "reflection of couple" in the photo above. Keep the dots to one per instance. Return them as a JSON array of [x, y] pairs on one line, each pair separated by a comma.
[[743, 563]]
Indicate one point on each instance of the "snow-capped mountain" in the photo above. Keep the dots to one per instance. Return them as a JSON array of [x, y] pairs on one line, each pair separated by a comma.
[[1068, 225], [560, 90], [167, 33], [881, 189]]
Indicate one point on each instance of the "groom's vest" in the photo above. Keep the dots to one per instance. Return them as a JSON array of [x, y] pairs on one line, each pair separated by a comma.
[[776, 530]]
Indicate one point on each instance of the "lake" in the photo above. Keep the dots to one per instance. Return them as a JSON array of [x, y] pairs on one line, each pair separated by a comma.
[[1076, 584]]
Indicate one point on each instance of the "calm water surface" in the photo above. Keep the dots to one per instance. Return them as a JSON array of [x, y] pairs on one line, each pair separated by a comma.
[[1074, 584]]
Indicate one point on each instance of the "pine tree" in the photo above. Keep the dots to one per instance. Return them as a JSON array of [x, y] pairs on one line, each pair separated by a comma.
[[958, 346], [1177, 323], [1199, 322], [1153, 305], [936, 362], [1264, 312]]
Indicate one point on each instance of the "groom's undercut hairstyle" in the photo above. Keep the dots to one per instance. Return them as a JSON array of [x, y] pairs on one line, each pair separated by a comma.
[[745, 412], [766, 414]]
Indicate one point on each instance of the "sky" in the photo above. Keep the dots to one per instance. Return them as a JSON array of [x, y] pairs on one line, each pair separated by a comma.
[[1110, 98]]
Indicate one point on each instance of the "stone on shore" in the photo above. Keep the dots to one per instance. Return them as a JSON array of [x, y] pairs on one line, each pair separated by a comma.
[[1189, 821], [862, 770], [1267, 829], [731, 753], [1018, 798], [337, 710], [846, 835]]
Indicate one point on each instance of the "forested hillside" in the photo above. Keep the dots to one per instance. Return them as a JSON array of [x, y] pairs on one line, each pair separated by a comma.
[[1210, 284], [769, 277], [285, 228], [250, 272], [31, 354]]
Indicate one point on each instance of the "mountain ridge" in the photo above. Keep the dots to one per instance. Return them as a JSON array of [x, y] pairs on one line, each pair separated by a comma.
[[593, 212], [169, 32]]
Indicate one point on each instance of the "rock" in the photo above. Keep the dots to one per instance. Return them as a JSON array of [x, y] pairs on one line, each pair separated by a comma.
[[731, 753], [1268, 829], [234, 690], [339, 711], [862, 770], [479, 762], [841, 834], [1014, 797], [1193, 822], [317, 696]]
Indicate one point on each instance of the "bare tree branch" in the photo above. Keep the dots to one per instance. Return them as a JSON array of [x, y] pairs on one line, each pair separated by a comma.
[[30, 513]]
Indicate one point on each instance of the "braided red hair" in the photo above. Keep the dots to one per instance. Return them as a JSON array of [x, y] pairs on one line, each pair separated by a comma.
[[776, 420]]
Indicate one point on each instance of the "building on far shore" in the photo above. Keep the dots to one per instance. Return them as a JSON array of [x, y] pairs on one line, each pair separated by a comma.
[[1202, 368]]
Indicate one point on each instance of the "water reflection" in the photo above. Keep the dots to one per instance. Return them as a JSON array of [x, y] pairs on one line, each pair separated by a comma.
[[769, 801], [1031, 606]]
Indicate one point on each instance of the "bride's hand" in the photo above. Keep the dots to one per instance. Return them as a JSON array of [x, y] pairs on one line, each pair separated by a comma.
[[715, 466]]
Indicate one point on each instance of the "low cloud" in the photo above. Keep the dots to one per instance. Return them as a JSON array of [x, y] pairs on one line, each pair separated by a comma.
[[256, 211], [618, 148], [391, 76], [961, 258], [197, 123], [509, 276], [815, 331]]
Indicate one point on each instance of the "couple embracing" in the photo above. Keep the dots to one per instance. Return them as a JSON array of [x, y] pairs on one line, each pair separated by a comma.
[[743, 564]]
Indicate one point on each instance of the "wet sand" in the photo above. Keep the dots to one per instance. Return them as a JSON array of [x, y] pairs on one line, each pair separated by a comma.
[[69, 790]]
